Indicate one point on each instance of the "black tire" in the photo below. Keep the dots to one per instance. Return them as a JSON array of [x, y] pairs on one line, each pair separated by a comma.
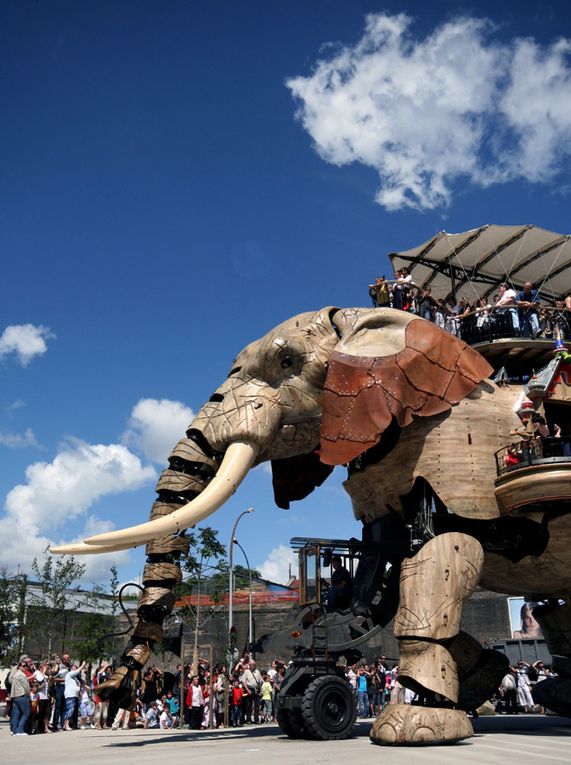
[[328, 709], [291, 723]]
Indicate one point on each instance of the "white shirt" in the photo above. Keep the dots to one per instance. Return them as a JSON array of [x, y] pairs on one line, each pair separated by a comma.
[[42, 681], [508, 298], [197, 698], [71, 690]]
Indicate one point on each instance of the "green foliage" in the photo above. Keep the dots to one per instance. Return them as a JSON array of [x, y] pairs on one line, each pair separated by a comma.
[[12, 590], [94, 626], [60, 593], [205, 551], [114, 590]]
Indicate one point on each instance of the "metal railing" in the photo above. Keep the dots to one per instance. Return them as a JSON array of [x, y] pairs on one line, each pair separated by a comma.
[[536, 451]]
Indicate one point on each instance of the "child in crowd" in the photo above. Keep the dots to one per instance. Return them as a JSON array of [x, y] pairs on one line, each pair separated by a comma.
[[152, 716], [85, 707], [165, 718], [266, 697], [237, 696]]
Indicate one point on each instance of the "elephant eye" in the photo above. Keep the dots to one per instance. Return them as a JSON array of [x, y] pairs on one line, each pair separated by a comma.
[[286, 362]]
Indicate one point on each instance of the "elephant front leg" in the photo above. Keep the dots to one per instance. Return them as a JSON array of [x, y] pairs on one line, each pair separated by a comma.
[[433, 586], [161, 573]]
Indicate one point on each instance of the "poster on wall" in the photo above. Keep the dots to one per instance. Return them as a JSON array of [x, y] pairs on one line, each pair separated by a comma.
[[522, 624]]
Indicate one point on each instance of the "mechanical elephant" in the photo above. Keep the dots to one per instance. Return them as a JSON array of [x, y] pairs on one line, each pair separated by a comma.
[[408, 409]]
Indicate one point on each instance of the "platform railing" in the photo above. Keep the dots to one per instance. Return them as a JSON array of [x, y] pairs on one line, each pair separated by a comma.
[[536, 451]]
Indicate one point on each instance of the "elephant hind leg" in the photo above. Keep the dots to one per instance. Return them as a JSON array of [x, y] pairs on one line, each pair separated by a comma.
[[554, 693], [433, 586]]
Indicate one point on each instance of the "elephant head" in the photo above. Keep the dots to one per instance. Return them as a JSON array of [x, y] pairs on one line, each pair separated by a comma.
[[317, 391]]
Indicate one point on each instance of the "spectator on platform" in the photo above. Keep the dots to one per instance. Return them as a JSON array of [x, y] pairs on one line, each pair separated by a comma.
[[528, 302]]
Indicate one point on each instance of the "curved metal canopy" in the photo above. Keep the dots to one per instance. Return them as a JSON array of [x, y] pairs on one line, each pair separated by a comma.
[[474, 263]]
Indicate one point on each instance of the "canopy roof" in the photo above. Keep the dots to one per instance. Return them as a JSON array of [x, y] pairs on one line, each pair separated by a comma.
[[473, 264]]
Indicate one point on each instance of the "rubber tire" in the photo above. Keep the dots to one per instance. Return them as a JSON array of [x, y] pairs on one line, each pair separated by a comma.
[[291, 723], [328, 709]]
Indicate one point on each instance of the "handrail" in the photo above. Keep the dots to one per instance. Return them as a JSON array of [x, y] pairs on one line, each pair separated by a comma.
[[536, 451]]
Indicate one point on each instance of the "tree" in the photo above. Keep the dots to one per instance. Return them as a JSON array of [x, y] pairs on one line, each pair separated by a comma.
[[59, 593], [95, 626], [206, 554], [12, 600]]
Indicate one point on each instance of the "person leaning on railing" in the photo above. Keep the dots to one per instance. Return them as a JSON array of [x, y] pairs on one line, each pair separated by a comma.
[[528, 302]]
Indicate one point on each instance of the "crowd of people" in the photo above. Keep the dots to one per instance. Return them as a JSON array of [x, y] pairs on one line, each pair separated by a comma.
[[60, 695], [514, 695], [521, 310]]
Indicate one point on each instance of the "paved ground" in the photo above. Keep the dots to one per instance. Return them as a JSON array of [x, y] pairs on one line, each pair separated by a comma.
[[498, 741]]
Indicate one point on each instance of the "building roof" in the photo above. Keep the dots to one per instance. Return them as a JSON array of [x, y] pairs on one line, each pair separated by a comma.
[[479, 260]]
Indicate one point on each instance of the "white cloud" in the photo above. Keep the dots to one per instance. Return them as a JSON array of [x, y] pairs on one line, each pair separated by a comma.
[[13, 406], [425, 112], [79, 476], [25, 340], [18, 440], [155, 426], [276, 567], [57, 492]]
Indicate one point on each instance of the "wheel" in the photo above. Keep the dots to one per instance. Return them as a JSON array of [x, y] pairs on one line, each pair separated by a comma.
[[328, 709], [291, 723]]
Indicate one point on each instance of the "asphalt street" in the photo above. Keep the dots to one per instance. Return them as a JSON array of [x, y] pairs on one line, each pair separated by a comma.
[[502, 740]]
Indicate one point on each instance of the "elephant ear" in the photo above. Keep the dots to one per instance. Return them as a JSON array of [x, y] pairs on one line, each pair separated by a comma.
[[293, 478], [388, 365]]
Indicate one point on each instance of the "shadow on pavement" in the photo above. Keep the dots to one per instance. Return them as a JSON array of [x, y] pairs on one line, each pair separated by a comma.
[[527, 725]]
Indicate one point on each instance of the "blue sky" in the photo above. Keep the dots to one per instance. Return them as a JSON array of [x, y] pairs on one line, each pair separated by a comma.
[[170, 190]]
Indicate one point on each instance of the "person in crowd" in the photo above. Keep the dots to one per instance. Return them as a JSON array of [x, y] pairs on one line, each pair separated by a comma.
[[236, 718], [341, 588], [20, 698], [352, 679], [195, 703], [41, 677], [266, 699], [440, 314], [426, 304], [152, 716], [166, 719], [483, 315], [174, 707], [60, 670], [34, 706], [85, 707], [528, 302], [506, 306], [380, 680], [508, 689], [523, 686], [252, 681], [102, 674], [560, 321], [362, 695], [121, 719], [379, 293], [71, 693]]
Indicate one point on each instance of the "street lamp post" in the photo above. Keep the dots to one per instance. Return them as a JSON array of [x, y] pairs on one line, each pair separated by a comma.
[[231, 572], [250, 630]]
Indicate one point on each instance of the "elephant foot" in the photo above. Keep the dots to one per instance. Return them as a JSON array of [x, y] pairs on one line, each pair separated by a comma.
[[402, 724], [483, 680], [122, 685], [554, 694]]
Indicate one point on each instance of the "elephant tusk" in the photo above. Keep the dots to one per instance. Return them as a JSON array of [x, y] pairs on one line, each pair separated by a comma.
[[80, 548], [238, 460]]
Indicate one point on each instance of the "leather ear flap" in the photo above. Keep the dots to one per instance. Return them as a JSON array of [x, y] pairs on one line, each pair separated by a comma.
[[296, 477], [362, 394]]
